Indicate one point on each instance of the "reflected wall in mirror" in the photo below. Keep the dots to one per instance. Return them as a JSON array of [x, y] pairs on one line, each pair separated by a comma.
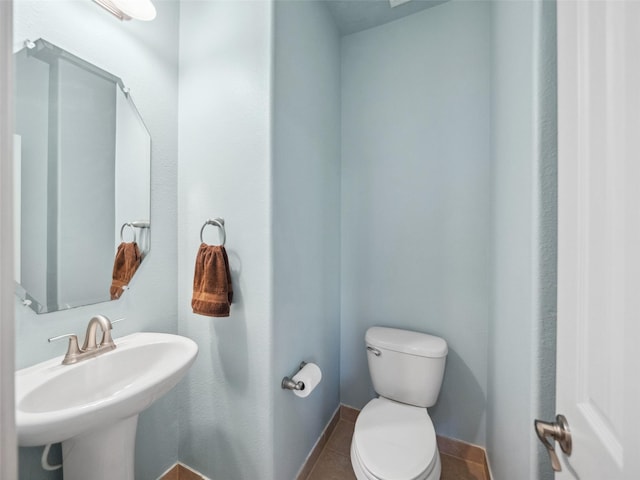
[[82, 167]]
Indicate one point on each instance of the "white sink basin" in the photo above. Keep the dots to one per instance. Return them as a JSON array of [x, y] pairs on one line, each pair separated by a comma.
[[55, 402]]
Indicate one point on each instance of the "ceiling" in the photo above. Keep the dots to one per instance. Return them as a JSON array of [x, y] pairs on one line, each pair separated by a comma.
[[355, 15]]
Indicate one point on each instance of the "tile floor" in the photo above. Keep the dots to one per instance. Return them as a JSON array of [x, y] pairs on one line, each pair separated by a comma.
[[334, 462], [180, 472]]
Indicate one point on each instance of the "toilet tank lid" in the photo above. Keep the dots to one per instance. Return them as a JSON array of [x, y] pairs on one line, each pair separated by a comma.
[[406, 341]]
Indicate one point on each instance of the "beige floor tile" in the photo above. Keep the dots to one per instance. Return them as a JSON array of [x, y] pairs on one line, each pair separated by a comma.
[[349, 414], [457, 469], [456, 448], [171, 474], [332, 466], [186, 474], [340, 440]]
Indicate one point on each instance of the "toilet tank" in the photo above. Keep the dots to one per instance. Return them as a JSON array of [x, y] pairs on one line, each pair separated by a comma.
[[406, 366]]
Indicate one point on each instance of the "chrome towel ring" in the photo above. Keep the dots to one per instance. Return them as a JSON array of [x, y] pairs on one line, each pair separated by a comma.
[[133, 226], [128, 224], [218, 222]]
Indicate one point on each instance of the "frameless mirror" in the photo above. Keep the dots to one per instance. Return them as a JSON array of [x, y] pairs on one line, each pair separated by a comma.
[[82, 171]]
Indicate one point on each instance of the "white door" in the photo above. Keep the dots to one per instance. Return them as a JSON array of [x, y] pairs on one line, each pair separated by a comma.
[[598, 367]]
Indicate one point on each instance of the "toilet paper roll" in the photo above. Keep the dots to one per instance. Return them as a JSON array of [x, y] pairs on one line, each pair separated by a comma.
[[310, 375]]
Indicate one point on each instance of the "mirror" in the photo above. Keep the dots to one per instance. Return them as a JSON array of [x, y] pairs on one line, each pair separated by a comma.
[[82, 171]]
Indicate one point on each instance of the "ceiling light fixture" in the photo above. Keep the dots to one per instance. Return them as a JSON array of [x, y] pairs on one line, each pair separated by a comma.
[[129, 9]]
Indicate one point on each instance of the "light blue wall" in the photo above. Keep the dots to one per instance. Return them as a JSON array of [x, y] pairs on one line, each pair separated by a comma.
[[445, 211], [522, 329], [145, 56], [416, 185], [224, 169], [306, 223]]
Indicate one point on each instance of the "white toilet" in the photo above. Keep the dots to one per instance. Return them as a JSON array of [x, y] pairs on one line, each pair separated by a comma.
[[394, 437]]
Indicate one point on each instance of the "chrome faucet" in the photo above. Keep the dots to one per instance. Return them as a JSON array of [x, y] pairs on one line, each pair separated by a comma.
[[90, 337], [90, 348]]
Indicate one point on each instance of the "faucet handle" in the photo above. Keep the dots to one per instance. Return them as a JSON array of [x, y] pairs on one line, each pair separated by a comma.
[[73, 349], [60, 337]]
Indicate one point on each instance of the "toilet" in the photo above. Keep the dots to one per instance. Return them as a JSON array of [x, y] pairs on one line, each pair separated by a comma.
[[394, 438]]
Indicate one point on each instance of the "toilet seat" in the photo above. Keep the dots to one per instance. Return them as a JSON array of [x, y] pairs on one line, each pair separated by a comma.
[[394, 441]]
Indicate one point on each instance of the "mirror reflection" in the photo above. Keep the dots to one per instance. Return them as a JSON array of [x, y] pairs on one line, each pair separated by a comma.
[[82, 166]]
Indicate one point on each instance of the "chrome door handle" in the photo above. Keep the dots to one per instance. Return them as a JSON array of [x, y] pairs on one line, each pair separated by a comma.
[[558, 431]]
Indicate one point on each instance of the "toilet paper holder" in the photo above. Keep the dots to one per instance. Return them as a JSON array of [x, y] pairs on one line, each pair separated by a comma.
[[289, 384]]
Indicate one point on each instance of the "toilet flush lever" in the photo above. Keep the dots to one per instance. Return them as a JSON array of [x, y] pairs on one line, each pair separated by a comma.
[[558, 431], [375, 351]]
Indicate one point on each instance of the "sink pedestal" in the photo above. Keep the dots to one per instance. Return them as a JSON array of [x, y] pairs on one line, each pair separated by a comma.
[[105, 453]]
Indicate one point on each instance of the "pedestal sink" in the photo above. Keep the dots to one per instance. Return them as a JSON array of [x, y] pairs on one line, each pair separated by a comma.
[[92, 407]]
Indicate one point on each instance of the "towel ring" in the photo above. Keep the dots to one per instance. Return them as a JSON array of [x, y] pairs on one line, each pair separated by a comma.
[[218, 222], [128, 224]]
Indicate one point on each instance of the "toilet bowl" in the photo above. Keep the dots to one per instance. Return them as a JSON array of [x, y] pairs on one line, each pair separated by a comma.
[[394, 438]]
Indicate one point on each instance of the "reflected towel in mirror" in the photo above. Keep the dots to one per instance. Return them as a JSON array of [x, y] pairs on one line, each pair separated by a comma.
[[125, 265]]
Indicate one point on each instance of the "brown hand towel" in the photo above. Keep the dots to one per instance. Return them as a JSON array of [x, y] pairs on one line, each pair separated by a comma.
[[212, 290], [125, 265]]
